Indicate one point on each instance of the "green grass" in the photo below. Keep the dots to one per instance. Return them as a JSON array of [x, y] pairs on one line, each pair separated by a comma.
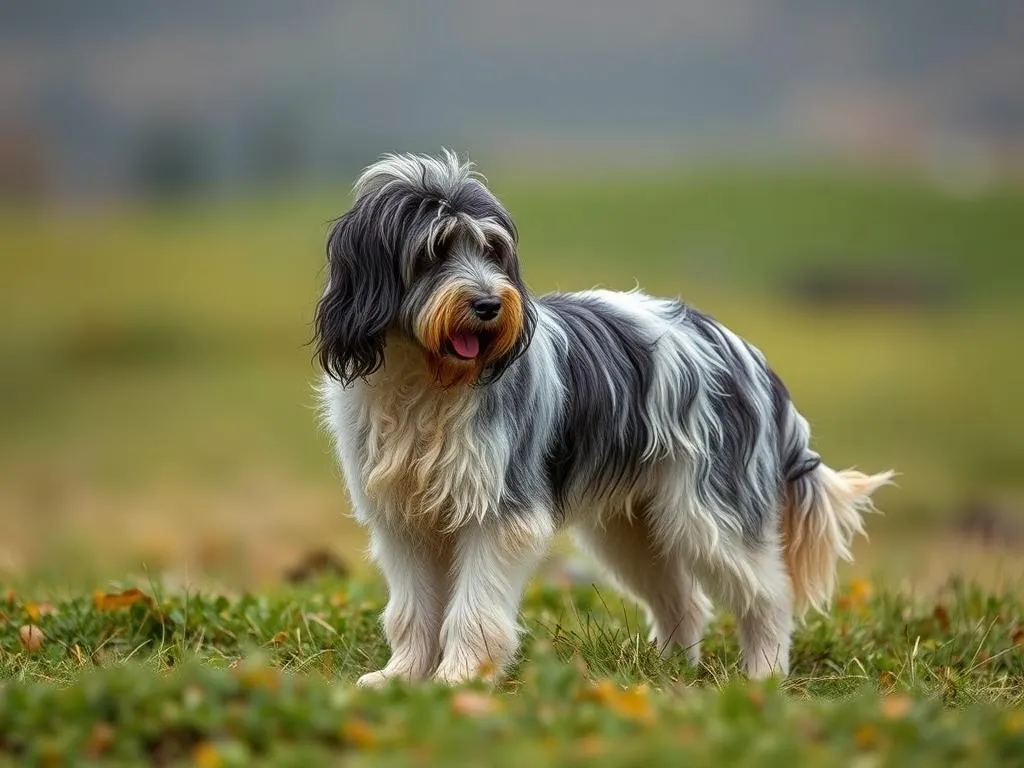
[[228, 680]]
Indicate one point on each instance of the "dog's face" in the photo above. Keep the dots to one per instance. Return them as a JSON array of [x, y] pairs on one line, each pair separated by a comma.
[[428, 252]]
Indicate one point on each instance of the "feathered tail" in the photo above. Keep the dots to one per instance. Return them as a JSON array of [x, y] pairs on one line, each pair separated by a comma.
[[823, 512]]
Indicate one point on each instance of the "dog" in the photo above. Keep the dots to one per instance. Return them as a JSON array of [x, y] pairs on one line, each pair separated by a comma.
[[473, 420]]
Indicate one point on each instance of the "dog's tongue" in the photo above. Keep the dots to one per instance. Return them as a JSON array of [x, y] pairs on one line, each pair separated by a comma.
[[466, 345]]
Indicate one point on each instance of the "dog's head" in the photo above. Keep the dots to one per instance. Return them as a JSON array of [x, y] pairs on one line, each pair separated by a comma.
[[426, 251]]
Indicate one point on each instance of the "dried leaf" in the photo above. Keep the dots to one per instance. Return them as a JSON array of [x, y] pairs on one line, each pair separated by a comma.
[[860, 591], [866, 736], [632, 703], [1018, 637], [896, 707], [31, 637], [36, 611], [591, 745], [280, 638], [205, 755], [100, 740], [473, 704], [358, 733], [941, 616], [105, 601]]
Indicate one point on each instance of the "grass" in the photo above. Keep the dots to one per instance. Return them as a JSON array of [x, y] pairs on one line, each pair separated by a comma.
[[138, 675]]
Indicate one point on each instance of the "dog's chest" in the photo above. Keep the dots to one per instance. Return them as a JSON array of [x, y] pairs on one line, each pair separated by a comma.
[[425, 462]]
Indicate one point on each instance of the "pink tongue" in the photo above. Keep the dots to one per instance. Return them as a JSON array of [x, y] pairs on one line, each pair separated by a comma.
[[465, 344]]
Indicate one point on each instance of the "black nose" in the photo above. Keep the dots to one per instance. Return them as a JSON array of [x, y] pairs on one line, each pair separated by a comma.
[[487, 308]]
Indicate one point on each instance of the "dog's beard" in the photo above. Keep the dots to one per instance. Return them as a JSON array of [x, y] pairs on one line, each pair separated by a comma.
[[459, 346]]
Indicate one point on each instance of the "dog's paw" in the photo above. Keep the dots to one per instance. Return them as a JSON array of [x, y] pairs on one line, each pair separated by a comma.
[[456, 673], [377, 679]]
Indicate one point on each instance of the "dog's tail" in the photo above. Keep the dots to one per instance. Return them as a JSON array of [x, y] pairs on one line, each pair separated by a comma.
[[822, 513]]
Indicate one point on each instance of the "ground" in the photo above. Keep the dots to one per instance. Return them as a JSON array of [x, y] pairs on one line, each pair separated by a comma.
[[137, 675]]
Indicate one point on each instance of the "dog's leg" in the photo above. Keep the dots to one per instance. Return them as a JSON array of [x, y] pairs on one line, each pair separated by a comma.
[[417, 577], [491, 564], [752, 581], [660, 582]]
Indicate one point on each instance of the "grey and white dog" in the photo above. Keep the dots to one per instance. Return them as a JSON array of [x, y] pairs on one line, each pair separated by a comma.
[[473, 421]]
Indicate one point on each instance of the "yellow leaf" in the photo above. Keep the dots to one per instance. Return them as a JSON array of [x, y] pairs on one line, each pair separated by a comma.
[[105, 601], [205, 755], [32, 611], [632, 703], [36, 611], [358, 733], [866, 737], [280, 638], [860, 591]]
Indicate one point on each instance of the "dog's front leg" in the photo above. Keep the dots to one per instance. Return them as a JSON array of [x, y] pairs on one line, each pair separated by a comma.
[[491, 564], [416, 571]]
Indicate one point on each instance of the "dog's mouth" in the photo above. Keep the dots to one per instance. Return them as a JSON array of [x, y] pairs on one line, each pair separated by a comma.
[[466, 345]]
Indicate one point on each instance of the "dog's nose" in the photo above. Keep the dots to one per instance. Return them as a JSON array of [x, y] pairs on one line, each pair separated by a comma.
[[487, 308]]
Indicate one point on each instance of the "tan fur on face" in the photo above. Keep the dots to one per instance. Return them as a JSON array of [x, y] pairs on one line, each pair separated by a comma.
[[449, 313]]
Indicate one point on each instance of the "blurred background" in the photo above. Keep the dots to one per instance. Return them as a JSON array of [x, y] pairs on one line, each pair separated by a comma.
[[841, 183]]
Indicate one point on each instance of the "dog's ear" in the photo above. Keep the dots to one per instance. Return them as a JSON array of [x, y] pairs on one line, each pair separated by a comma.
[[364, 292]]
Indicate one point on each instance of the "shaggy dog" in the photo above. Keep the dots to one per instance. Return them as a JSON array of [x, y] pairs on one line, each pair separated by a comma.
[[473, 420]]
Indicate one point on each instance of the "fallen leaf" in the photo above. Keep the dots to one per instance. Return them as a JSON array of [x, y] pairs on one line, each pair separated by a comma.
[[1018, 636], [100, 740], [280, 638], [31, 637], [36, 611], [632, 703], [105, 601], [860, 591], [358, 733], [473, 704], [205, 755], [941, 616], [896, 707], [866, 737], [590, 746]]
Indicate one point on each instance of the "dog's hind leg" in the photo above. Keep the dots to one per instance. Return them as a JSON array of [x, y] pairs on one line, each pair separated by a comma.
[[751, 580], [417, 577], [660, 581]]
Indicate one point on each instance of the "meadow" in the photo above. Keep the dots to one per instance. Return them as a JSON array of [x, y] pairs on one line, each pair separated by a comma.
[[158, 434]]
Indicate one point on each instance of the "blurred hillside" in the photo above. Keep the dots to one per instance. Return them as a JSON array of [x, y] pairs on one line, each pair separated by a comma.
[[156, 394], [119, 96]]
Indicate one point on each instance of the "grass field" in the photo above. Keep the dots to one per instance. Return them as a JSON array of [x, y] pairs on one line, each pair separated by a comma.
[[156, 431], [133, 676]]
